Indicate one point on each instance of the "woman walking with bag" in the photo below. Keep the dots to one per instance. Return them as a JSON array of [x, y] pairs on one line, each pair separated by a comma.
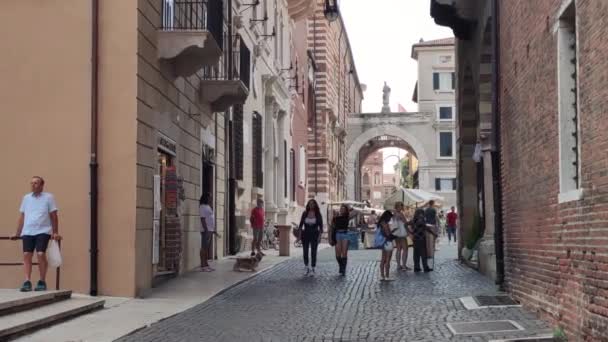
[[401, 234], [311, 229], [340, 237], [384, 240]]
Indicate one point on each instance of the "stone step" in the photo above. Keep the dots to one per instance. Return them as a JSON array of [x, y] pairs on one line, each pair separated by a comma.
[[13, 301], [26, 322]]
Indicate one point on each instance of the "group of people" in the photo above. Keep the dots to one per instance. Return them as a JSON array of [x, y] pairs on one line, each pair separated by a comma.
[[399, 228]]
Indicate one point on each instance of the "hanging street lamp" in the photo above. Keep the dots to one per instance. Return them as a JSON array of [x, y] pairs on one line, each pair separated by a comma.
[[331, 10]]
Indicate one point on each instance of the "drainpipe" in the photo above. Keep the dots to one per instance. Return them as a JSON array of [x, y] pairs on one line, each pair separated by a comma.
[[93, 166], [496, 155], [314, 98], [231, 147]]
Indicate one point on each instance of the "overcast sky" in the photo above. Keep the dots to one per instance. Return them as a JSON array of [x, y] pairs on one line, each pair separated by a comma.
[[381, 34]]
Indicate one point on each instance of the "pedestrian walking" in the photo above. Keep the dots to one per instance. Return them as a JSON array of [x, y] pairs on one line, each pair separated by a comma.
[[207, 230], [387, 248], [37, 225], [401, 233], [441, 223], [339, 235], [452, 217], [257, 225], [420, 230], [311, 228]]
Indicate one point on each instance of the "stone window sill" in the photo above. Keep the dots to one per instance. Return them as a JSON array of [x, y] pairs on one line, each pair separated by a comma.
[[570, 196]]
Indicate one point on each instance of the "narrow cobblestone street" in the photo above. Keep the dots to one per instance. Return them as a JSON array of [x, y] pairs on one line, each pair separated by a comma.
[[282, 305]]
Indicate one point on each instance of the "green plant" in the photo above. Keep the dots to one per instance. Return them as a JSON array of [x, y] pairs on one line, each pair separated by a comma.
[[559, 335], [475, 233]]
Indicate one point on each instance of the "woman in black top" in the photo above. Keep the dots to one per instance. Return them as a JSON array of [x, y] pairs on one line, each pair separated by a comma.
[[340, 237], [311, 228]]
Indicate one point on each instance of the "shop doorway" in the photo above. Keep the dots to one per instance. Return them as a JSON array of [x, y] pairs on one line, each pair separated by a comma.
[[165, 247], [207, 186]]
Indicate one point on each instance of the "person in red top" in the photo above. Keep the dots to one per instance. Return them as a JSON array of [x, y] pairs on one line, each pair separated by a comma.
[[257, 224], [452, 217]]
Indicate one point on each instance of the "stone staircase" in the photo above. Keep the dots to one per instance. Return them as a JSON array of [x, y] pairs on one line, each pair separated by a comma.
[[24, 313]]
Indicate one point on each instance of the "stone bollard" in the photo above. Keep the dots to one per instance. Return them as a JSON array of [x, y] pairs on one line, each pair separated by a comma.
[[284, 239]]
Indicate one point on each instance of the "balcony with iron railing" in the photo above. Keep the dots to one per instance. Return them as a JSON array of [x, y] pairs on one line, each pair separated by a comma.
[[227, 83], [191, 34]]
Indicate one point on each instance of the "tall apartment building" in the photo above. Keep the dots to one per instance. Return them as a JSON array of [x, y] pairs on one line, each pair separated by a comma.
[[532, 97], [302, 88], [120, 106], [434, 93], [338, 93]]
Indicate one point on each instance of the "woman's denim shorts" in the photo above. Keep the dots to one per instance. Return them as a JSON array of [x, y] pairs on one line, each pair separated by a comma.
[[341, 236]]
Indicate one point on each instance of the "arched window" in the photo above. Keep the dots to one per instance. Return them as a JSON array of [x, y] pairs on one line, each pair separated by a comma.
[[366, 178], [377, 178]]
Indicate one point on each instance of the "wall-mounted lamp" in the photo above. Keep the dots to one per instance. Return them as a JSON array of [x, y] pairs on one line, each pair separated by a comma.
[[331, 10]]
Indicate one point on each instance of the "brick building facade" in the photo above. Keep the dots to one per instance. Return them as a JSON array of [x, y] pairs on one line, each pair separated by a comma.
[[540, 97], [338, 93]]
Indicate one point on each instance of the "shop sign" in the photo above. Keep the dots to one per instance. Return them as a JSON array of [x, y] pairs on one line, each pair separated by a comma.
[[166, 144]]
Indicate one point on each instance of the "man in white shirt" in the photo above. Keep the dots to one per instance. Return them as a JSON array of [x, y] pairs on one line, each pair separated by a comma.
[[38, 223]]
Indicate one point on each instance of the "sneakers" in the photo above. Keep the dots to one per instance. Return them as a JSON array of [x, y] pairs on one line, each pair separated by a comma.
[[26, 287], [312, 272], [307, 272], [40, 286], [207, 269]]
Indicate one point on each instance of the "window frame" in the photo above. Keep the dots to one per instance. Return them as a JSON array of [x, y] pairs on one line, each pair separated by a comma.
[[453, 187], [439, 156], [444, 105]]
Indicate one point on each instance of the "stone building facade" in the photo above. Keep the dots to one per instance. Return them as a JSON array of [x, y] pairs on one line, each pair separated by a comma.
[[531, 93], [434, 93], [144, 88], [372, 180], [338, 93], [263, 131]]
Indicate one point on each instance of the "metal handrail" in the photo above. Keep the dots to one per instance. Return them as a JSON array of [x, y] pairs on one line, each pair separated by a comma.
[[57, 270]]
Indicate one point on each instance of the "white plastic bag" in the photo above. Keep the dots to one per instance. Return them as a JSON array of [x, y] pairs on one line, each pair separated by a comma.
[[53, 254]]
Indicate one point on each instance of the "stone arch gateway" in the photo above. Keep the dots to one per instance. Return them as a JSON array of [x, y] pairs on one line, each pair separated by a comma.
[[416, 129]]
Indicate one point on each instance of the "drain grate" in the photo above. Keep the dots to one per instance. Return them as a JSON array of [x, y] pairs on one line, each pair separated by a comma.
[[468, 328], [545, 338], [494, 300]]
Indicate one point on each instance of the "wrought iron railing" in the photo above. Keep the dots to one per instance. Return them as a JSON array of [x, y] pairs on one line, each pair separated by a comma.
[[241, 64], [57, 270], [194, 15]]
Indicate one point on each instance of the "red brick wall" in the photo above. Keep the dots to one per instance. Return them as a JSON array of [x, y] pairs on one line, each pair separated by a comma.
[[556, 254]]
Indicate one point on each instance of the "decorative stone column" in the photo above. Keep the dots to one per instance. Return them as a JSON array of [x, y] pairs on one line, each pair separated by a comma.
[[487, 251]]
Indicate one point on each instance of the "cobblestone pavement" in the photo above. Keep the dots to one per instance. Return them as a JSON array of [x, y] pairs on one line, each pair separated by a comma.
[[282, 305]]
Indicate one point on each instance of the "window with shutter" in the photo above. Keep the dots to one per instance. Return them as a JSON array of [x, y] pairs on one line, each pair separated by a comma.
[[257, 172], [285, 173], [237, 126], [435, 81], [292, 158], [438, 184], [453, 81]]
